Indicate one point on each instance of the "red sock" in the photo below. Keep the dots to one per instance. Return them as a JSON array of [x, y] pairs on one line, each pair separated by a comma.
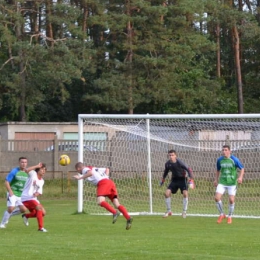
[[39, 218], [32, 214], [107, 206], [123, 210]]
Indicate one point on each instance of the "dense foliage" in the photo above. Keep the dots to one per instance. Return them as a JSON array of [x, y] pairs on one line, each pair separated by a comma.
[[61, 58]]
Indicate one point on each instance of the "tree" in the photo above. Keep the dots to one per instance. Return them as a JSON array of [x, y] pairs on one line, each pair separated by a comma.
[[156, 59], [39, 64], [60, 58]]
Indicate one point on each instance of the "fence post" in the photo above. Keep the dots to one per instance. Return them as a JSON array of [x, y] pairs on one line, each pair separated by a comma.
[[55, 154]]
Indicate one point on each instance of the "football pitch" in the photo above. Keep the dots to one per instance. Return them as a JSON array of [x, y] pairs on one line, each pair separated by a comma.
[[82, 236]]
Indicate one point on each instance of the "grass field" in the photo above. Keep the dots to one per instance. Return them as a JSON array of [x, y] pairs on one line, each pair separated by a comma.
[[81, 236]]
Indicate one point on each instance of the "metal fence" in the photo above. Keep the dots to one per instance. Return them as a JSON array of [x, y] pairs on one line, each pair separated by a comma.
[[110, 153], [121, 158]]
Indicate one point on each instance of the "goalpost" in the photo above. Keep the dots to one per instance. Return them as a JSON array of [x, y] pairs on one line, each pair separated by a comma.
[[135, 149]]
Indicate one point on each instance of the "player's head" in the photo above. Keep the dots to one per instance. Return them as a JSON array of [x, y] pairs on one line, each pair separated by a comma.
[[79, 167], [41, 170], [172, 155], [23, 163], [226, 150]]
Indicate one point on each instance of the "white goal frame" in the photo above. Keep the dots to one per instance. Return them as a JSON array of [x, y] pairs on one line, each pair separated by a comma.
[[147, 117]]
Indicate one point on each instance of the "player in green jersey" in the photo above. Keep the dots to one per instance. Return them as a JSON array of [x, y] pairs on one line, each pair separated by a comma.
[[14, 183], [226, 180]]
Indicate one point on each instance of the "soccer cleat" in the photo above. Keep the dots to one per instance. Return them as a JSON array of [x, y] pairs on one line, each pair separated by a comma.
[[2, 225], [43, 230], [115, 216], [220, 218], [229, 220], [25, 220], [167, 214], [129, 223], [184, 215]]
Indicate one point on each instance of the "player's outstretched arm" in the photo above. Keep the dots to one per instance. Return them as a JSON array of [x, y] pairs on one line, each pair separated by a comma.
[[82, 177], [39, 165]]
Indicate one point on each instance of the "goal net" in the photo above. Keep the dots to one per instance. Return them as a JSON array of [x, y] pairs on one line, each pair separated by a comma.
[[135, 149]]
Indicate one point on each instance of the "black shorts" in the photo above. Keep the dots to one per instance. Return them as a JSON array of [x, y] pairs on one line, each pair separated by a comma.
[[176, 184]]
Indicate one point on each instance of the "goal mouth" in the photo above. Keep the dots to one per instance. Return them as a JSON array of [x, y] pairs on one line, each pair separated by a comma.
[[135, 148]]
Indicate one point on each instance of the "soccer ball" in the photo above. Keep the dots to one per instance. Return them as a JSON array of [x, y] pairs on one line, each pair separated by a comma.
[[64, 160]]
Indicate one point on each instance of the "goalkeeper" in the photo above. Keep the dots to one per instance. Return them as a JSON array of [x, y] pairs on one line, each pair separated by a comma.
[[105, 188], [179, 180]]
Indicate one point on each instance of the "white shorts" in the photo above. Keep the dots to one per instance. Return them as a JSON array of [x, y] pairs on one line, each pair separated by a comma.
[[232, 190], [14, 201]]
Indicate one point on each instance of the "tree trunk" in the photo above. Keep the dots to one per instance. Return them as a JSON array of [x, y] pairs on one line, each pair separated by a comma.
[[236, 47], [84, 23], [18, 32], [129, 60], [49, 30], [218, 50], [258, 11]]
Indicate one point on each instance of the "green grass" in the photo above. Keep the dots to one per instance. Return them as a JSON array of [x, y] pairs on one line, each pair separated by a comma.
[[134, 194], [82, 236]]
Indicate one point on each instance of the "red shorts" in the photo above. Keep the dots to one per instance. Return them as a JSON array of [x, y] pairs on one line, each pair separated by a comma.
[[107, 188], [31, 204]]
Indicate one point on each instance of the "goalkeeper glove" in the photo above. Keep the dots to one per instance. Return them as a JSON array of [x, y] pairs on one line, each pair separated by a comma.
[[162, 182], [191, 184]]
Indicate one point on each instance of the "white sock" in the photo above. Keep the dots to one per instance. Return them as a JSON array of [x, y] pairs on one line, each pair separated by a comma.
[[168, 204], [185, 202], [220, 207], [15, 212], [5, 217], [231, 208]]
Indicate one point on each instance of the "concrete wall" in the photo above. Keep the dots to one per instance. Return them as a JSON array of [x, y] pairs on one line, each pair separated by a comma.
[[123, 160], [121, 155], [8, 129]]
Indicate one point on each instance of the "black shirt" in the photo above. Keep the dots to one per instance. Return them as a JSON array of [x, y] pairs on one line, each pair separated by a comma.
[[178, 169]]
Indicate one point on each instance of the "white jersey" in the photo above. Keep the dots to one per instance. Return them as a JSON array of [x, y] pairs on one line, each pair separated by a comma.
[[98, 174], [32, 185]]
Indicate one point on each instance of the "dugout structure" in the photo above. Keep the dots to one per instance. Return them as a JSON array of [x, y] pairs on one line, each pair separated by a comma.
[[135, 148]]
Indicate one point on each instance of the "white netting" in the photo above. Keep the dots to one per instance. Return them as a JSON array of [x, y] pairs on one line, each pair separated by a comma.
[[136, 149]]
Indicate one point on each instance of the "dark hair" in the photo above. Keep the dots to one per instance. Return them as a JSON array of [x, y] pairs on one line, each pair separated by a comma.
[[43, 166], [226, 146], [22, 158], [172, 151]]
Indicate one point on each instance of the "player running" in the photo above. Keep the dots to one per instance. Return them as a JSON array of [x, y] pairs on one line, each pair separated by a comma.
[[32, 190], [14, 183]]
